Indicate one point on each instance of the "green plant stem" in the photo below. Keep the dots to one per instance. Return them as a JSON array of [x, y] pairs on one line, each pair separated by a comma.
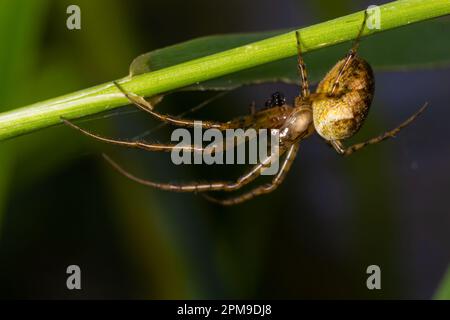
[[105, 96], [443, 292]]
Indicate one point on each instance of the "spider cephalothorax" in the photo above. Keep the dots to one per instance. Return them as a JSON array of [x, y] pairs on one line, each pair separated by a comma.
[[336, 111]]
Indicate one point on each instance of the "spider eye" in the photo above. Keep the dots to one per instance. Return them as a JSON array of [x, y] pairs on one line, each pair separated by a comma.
[[277, 99]]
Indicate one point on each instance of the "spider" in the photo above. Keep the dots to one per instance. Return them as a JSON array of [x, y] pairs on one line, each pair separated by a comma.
[[336, 111]]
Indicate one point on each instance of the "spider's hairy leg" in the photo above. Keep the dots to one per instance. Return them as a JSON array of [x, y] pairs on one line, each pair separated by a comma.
[[339, 147], [182, 114], [246, 178], [134, 144], [301, 67], [263, 189], [146, 106], [350, 55]]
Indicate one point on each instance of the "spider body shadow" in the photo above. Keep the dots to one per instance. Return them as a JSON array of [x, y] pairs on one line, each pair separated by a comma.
[[336, 111]]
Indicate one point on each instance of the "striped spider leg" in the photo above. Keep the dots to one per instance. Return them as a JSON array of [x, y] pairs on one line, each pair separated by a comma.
[[260, 119]]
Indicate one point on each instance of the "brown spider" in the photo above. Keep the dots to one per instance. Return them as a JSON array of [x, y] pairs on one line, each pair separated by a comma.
[[336, 111]]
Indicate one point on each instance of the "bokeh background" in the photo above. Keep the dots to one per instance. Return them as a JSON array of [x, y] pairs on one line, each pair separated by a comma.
[[61, 204]]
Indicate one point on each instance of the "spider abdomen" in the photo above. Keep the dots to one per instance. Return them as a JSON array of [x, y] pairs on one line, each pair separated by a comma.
[[341, 114]]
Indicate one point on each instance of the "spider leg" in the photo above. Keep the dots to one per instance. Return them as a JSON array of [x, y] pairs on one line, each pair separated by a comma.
[[146, 106], [350, 55], [199, 187], [263, 189], [338, 146], [196, 108], [134, 144], [301, 67]]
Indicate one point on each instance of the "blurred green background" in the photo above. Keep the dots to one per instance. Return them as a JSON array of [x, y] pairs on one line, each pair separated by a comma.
[[61, 204]]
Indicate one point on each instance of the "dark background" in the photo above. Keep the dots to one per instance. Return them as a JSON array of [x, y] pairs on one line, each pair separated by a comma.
[[61, 204]]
